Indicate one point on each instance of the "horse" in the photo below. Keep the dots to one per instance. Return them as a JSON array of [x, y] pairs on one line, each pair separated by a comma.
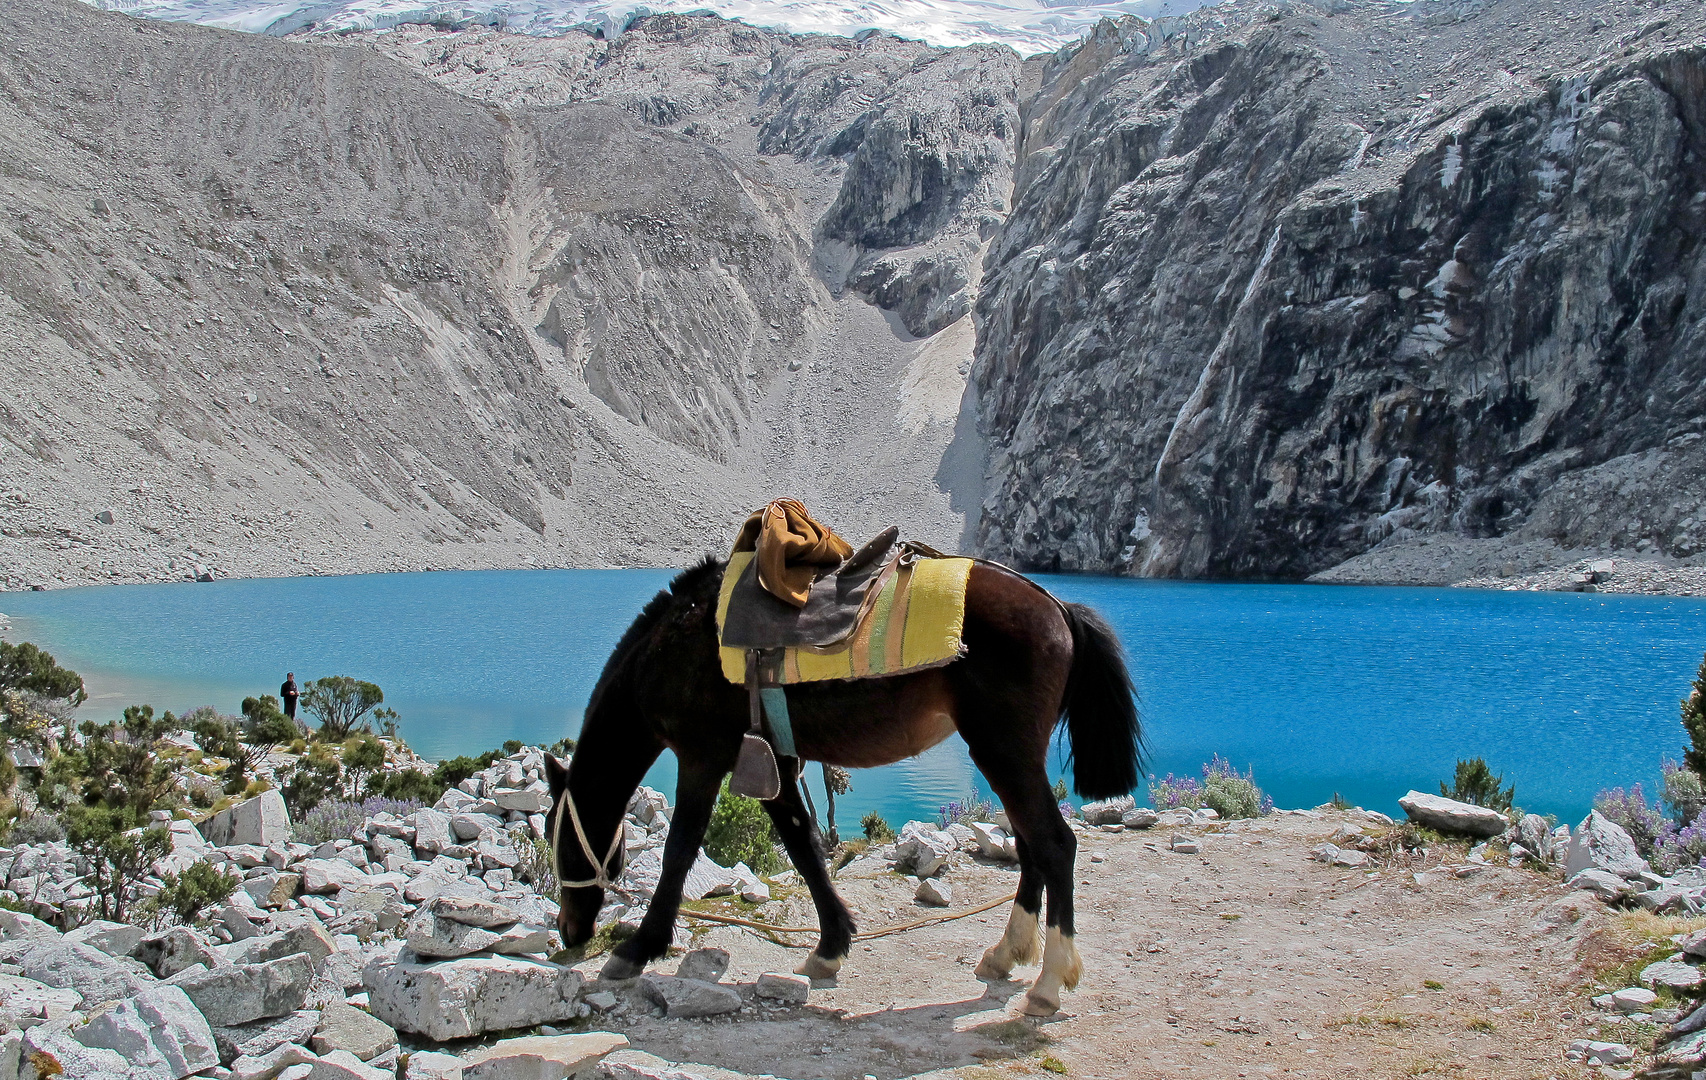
[[1029, 662]]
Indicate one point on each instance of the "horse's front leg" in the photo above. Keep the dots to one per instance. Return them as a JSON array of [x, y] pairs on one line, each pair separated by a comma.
[[695, 794], [835, 925]]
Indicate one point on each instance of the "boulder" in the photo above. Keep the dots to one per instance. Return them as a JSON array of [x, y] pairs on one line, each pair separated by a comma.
[[552, 1057], [935, 893], [785, 988], [429, 1065], [1536, 835], [1450, 816], [95, 976], [75, 1061], [922, 849], [343, 1065], [1603, 884], [1108, 811], [526, 800], [261, 1037], [1141, 817], [270, 891], [114, 939], [1601, 844], [178, 949], [704, 878], [307, 936], [23, 997], [992, 841], [262, 820], [325, 876], [238, 994], [1671, 975], [456, 999], [432, 832], [472, 911], [159, 1032], [431, 935], [689, 997], [638, 1065], [272, 1063], [1634, 999], [345, 1027], [16, 926], [706, 965]]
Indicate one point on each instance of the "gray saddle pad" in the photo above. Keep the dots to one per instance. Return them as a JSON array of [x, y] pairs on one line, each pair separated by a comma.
[[758, 620]]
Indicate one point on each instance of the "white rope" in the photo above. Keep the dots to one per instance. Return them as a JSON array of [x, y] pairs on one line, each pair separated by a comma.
[[601, 870]]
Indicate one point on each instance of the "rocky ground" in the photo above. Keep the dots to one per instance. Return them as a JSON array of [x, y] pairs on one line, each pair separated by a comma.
[[1304, 943], [1498, 563]]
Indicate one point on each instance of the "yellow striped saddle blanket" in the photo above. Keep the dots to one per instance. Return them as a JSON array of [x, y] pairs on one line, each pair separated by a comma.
[[914, 622]]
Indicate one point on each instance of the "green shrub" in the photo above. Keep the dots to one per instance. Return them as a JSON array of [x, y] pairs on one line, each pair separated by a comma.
[[453, 771], [116, 765], [740, 832], [1684, 792], [876, 827], [185, 896], [407, 784], [342, 705], [1694, 722], [1475, 783], [119, 853], [535, 867], [316, 776], [1230, 794]]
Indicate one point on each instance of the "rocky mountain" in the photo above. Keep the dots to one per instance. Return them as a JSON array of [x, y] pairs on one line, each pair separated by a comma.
[[1347, 276], [1258, 291]]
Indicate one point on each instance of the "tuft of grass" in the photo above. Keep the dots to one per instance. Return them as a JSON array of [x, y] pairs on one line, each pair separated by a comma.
[[1433, 984], [1055, 1065], [1615, 955], [1231, 916], [1482, 1024]]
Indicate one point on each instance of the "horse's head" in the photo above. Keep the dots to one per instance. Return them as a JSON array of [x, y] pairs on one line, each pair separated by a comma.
[[578, 907]]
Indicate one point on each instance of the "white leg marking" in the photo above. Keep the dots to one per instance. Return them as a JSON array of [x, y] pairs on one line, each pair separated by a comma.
[[1062, 969], [1017, 946]]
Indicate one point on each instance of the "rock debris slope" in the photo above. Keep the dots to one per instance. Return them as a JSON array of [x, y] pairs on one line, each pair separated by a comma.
[[1281, 285], [277, 307]]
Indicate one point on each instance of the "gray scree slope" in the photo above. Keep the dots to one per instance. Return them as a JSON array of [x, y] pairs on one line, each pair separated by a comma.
[[1251, 292]]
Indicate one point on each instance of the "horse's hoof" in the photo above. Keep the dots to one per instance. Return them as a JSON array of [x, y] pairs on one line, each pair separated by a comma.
[[818, 968], [991, 972], [1036, 1005], [617, 969]]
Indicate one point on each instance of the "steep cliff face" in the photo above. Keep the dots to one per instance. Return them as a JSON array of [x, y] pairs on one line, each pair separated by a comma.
[[1282, 289]]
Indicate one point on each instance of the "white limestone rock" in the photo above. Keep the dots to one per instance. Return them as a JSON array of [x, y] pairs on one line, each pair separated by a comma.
[[1450, 816], [934, 892], [430, 1065], [689, 997], [706, 965], [160, 1032], [787, 988], [239, 994], [344, 1027], [1601, 844], [541, 1057], [456, 999], [114, 939], [262, 820], [272, 1063], [1603, 884], [28, 998]]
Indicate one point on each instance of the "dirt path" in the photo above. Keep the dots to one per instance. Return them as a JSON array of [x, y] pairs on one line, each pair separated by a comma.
[[1246, 960]]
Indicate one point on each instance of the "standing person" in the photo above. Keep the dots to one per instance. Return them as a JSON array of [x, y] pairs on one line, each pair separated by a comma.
[[288, 694]]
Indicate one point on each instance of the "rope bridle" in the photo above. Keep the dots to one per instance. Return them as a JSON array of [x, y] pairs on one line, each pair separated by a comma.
[[601, 868]]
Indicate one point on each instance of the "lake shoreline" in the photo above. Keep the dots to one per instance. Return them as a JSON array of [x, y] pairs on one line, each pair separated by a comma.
[[1426, 562]]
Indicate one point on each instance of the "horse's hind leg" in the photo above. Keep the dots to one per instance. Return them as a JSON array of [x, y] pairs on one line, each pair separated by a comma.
[[1046, 851], [835, 934]]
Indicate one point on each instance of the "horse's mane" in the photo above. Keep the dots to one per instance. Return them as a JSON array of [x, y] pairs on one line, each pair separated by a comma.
[[684, 585]]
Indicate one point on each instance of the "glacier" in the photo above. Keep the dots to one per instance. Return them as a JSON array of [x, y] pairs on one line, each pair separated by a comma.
[[1027, 26]]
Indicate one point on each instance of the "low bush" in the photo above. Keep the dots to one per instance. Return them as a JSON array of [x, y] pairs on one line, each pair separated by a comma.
[[535, 867], [37, 829], [964, 811], [1230, 794], [1475, 783], [1643, 821], [337, 819], [1175, 793], [877, 828], [118, 851], [410, 784], [740, 832], [183, 897]]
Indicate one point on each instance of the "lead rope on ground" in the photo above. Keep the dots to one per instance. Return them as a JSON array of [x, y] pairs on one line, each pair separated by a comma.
[[770, 930]]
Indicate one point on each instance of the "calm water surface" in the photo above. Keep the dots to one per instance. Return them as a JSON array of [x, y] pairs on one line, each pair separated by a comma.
[[1362, 691]]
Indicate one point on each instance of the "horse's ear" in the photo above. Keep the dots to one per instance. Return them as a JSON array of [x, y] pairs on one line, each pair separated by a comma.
[[555, 774]]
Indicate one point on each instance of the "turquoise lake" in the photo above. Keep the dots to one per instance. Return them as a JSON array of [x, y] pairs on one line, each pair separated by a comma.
[[1362, 691]]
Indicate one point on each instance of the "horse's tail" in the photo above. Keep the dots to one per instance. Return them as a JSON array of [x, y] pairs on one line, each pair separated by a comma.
[[1101, 709]]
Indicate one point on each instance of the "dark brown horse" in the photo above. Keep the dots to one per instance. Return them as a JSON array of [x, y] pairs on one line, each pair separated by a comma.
[[1029, 660]]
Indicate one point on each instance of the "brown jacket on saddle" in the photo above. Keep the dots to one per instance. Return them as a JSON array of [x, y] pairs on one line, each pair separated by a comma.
[[793, 548]]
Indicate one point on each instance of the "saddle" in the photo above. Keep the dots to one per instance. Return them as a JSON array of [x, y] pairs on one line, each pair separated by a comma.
[[792, 610]]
